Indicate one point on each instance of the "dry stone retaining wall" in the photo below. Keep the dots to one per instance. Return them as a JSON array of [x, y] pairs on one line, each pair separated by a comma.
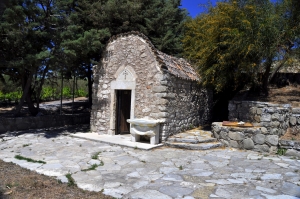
[[256, 139], [273, 117], [294, 122], [45, 121], [271, 121]]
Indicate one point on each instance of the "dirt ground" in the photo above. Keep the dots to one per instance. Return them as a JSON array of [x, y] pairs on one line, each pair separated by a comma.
[[17, 182], [284, 95]]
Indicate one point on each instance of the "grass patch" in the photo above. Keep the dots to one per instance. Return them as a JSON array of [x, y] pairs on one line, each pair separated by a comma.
[[94, 166], [71, 181], [95, 155], [281, 151], [180, 167], [25, 145], [19, 157]]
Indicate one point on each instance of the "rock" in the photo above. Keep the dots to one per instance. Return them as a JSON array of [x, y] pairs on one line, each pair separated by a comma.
[[264, 130], [145, 110], [270, 110], [296, 110], [272, 139], [159, 89], [265, 118], [225, 142], [234, 144], [175, 191], [290, 189], [248, 143], [224, 135], [216, 135], [275, 124], [236, 135], [257, 118], [253, 110], [271, 176], [274, 131], [259, 111], [261, 148], [264, 189], [259, 138], [292, 152], [231, 107], [275, 117], [273, 150], [148, 194], [293, 121]]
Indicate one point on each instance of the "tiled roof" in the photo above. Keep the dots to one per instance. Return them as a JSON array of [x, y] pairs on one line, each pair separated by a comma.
[[178, 67]]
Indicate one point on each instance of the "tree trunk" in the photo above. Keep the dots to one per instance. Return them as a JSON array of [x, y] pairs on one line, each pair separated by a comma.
[[26, 87], [32, 109], [39, 90], [277, 68], [90, 84], [266, 75]]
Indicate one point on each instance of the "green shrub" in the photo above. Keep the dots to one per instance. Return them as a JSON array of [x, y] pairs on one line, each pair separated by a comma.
[[281, 151], [81, 93], [13, 96], [2, 96], [48, 93], [67, 92]]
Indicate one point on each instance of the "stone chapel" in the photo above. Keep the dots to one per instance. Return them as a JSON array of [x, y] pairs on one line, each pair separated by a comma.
[[135, 80]]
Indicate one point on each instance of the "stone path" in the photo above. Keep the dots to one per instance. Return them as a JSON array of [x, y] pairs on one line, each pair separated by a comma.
[[160, 173]]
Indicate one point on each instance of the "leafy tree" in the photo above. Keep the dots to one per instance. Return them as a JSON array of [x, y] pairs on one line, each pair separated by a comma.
[[238, 40], [66, 37], [27, 47], [232, 42], [90, 23]]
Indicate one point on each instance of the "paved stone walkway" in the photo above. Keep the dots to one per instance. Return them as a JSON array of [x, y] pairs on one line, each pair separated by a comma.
[[160, 173]]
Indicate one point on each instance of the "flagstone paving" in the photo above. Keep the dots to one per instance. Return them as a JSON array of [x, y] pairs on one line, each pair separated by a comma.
[[164, 172]]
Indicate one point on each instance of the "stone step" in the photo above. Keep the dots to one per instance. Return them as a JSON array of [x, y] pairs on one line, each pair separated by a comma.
[[198, 146], [193, 140]]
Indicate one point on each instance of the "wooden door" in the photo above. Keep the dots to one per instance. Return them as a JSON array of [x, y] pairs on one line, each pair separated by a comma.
[[123, 111]]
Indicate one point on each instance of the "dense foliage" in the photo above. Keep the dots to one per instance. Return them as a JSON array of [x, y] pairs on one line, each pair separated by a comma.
[[51, 90], [241, 42], [40, 39]]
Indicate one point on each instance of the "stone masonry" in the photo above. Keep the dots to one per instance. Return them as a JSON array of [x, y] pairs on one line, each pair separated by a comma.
[[163, 87], [273, 117], [271, 121], [256, 139], [188, 105]]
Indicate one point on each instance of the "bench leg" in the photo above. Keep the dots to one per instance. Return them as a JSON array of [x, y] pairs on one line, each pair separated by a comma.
[[135, 137], [154, 140]]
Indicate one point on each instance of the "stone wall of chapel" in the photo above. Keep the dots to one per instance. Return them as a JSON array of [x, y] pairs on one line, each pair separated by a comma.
[[125, 51], [188, 105]]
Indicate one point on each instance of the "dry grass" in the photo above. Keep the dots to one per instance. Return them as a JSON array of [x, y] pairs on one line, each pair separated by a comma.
[[17, 182], [284, 95], [292, 134]]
